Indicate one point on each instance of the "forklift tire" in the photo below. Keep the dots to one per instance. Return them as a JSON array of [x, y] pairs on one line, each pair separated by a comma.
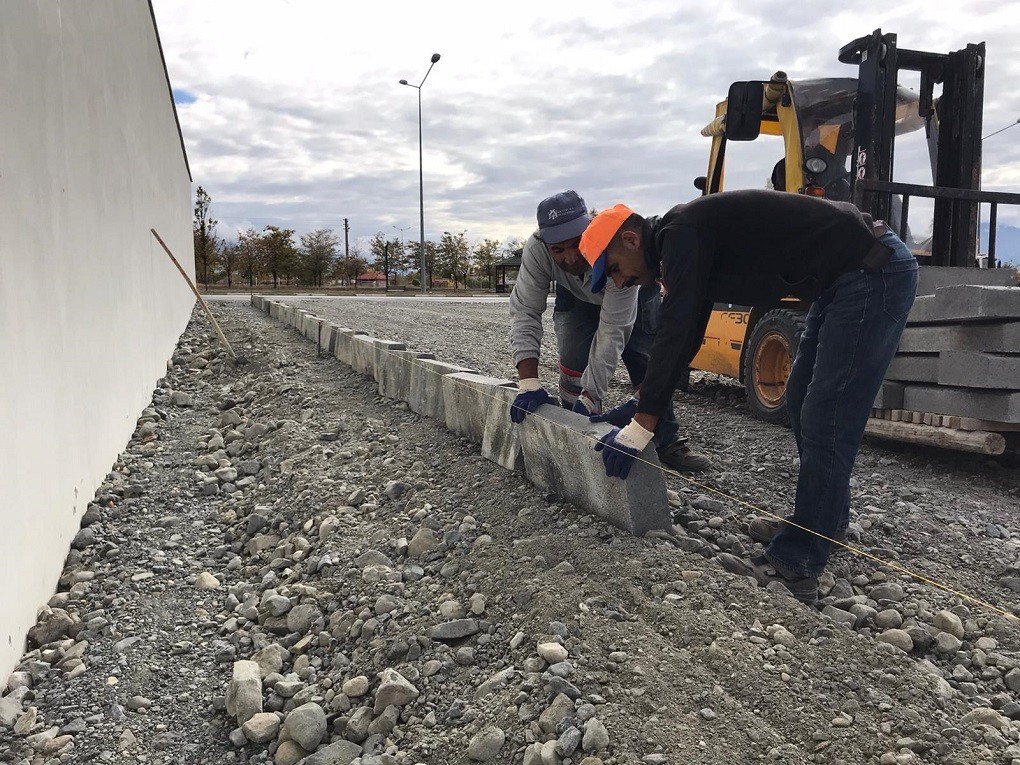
[[768, 359]]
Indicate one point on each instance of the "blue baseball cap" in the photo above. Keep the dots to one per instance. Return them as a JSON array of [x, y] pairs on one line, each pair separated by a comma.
[[562, 217]]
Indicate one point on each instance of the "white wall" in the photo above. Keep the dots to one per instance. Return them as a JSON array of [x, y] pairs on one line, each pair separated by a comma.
[[90, 306]]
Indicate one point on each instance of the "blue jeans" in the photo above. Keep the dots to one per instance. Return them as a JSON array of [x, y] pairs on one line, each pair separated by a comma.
[[849, 338], [576, 323]]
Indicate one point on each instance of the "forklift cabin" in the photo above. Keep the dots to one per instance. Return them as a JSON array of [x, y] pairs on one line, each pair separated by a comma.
[[838, 137]]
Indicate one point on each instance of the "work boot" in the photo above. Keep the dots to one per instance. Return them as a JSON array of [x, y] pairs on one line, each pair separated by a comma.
[[765, 572], [680, 457], [764, 529]]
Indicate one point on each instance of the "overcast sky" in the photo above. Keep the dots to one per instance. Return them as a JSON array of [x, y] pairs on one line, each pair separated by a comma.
[[292, 113]]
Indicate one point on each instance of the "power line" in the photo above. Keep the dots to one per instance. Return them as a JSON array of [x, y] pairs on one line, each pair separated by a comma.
[[1012, 124]]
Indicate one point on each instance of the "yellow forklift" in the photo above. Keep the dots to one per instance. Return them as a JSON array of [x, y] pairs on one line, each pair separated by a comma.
[[835, 139]]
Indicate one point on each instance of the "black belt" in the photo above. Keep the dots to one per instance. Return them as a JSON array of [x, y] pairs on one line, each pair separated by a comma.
[[879, 255]]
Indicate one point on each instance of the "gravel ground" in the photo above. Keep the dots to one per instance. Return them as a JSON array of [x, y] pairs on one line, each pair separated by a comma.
[[282, 561]]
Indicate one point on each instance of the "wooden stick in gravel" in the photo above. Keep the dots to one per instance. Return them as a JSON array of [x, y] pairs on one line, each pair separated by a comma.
[[197, 293]]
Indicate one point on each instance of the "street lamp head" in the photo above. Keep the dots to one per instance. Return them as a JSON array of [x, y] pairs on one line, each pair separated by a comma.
[[435, 58], [404, 82]]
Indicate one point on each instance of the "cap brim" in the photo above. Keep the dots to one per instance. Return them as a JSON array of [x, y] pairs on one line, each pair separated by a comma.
[[564, 231], [598, 274]]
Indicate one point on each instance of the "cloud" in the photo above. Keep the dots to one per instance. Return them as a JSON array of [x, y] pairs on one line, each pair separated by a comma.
[[292, 113]]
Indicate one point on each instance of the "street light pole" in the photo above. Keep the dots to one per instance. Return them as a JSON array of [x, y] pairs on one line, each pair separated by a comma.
[[421, 167]]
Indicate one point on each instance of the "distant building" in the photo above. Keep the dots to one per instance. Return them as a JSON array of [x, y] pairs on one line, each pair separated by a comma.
[[372, 279], [505, 282]]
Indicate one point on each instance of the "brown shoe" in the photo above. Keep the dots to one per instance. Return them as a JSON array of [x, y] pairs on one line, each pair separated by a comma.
[[679, 456], [764, 529], [765, 572]]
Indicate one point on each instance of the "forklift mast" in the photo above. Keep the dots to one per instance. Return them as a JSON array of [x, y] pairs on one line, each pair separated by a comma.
[[953, 128]]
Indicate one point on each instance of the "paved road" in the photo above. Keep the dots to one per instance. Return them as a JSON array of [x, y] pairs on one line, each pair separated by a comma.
[[234, 297]]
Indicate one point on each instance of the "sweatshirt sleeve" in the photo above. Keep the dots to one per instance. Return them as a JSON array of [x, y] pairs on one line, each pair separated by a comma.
[[528, 301], [616, 321], [686, 265]]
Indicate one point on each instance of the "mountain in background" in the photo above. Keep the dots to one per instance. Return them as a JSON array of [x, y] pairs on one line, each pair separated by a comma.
[[1007, 243]]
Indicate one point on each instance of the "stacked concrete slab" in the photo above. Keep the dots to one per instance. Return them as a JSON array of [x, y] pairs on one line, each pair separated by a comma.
[[959, 357], [554, 448]]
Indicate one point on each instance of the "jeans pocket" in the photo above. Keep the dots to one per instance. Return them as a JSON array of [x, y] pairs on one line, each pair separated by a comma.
[[899, 286], [565, 299]]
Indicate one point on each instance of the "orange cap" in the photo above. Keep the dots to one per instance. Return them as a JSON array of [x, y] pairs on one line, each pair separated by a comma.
[[596, 239]]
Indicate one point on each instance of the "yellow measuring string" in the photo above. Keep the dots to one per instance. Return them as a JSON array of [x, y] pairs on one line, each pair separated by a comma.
[[855, 550]]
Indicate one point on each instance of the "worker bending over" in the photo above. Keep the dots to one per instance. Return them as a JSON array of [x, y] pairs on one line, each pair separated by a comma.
[[594, 330], [755, 248]]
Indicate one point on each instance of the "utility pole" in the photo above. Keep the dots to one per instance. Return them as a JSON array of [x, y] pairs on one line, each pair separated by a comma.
[[347, 250]]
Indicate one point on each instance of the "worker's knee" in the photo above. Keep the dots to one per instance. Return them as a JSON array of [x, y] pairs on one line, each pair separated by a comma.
[[570, 384]]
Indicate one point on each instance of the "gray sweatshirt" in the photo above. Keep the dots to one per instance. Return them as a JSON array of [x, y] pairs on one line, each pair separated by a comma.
[[528, 302]]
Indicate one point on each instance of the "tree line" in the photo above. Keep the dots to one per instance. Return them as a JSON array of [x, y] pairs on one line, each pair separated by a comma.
[[316, 259]]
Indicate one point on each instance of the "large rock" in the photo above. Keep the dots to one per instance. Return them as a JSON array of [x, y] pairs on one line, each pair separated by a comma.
[[10, 711], [394, 689], [52, 625], [244, 691], [486, 744], [560, 457], [561, 706], [270, 659], [261, 728], [596, 737], [453, 630], [337, 753], [289, 753], [305, 725], [424, 541]]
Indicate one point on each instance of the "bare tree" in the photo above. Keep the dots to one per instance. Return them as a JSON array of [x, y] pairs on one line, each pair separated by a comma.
[[204, 231], [249, 245], [230, 257]]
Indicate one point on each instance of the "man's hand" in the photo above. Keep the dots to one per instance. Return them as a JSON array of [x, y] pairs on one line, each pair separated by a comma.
[[531, 397], [620, 447], [620, 416], [586, 405]]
